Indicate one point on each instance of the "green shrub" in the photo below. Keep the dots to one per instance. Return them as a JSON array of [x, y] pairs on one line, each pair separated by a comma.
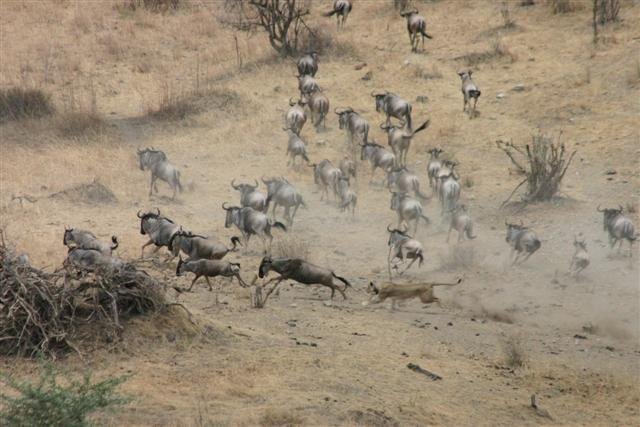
[[46, 402]]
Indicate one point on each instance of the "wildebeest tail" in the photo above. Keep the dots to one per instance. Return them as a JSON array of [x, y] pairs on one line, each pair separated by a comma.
[[470, 234], [420, 259], [424, 33], [278, 224], [343, 280], [114, 240], [331, 13]]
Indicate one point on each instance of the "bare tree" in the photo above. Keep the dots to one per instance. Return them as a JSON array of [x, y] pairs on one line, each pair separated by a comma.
[[604, 11], [282, 20], [543, 162]]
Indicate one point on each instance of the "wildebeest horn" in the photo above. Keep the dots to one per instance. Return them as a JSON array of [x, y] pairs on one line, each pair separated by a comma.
[[506, 223], [224, 207], [291, 103], [389, 229], [338, 112], [262, 178], [374, 93], [139, 215], [286, 128], [257, 183], [158, 211], [384, 126], [233, 184], [598, 208], [404, 228], [621, 208]]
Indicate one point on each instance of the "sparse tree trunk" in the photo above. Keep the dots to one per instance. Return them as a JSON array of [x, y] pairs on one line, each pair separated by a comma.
[[595, 22]]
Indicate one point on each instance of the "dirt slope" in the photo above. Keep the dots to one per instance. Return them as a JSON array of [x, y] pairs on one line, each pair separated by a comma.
[[258, 366]]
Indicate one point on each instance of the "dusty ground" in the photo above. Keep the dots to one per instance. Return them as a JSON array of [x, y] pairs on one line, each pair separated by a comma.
[[259, 366]]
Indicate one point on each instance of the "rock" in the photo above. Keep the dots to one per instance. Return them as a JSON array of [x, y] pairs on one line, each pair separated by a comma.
[[518, 88], [328, 303], [501, 95], [422, 98], [360, 66], [293, 305], [367, 76], [610, 172]]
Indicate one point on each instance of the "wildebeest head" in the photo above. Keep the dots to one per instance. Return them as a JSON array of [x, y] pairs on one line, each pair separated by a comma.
[[68, 236], [396, 235], [149, 156], [372, 289], [343, 117], [380, 99], [367, 149], [513, 230], [609, 215], [265, 266], [233, 215], [244, 188], [580, 243], [435, 152], [465, 72], [273, 184], [146, 218]]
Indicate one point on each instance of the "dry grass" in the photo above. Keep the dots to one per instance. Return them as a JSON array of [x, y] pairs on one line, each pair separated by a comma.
[[514, 353], [427, 74], [17, 103], [565, 6], [291, 247], [74, 124], [280, 418], [498, 50]]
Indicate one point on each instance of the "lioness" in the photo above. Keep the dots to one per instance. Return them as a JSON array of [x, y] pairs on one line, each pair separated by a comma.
[[402, 292]]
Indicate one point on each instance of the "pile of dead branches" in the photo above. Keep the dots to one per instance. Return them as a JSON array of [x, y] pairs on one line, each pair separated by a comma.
[[52, 313], [543, 163]]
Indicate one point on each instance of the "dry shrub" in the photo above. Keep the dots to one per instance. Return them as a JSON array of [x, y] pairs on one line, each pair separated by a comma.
[[80, 123], [514, 352], [433, 73], [566, 6], [92, 193], [291, 247], [17, 103], [280, 417], [468, 182], [507, 18], [178, 106], [322, 41], [607, 11], [53, 313], [458, 257], [155, 5], [498, 50]]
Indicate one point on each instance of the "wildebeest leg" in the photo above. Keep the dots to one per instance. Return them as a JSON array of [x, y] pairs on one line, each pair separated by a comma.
[[194, 281], [526, 257], [208, 283], [295, 209], [150, 242], [151, 185], [287, 215], [279, 280], [464, 103]]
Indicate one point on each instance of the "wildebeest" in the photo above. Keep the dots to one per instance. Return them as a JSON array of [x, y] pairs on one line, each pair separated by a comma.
[[250, 222], [408, 210], [433, 166], [416, 27], [209, 268], [199, 247], [469, 90], [302, 272], [580, 258], [355, 125], [378, 157], [91, 260], [523, 241], [318, 105], [308, 64], [295, 148], [158, 228], [348, 197], [250, 196], [449, 192], [347, 167], [282, 193], [461, 222], [296, 116], [341, 9], [403, 247], [326, 176], [399, 139], [85, 239], [618, 226], [307, 85], [393, 106], [405, 181], [156, 161]]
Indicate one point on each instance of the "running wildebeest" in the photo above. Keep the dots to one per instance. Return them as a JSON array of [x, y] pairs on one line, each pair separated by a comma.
[[416, 27], [619, 227], [250, 196], [403, 247], [302, 272], [156, 161], [523, 241], [158, 228], [393, 106], [308, 64], [84, 239], [341, 9], [250, 222], [282, 193], [408, 209]]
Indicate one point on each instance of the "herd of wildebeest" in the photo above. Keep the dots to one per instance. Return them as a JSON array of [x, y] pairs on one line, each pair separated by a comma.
[[252, 216]]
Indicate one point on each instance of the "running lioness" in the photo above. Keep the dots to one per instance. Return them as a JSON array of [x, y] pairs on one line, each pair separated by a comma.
[[402, 292]]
